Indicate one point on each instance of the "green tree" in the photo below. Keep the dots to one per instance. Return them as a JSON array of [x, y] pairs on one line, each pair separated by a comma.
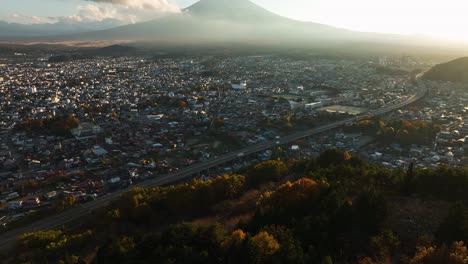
[[384, 245], [408, 184], [333, 157], [455, 226], [371, 209], [291, 249], [271, 170]]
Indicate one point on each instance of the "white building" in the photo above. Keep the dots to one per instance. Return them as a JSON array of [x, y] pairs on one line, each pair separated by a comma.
[[314, 105], [86, 130], [239, 86]]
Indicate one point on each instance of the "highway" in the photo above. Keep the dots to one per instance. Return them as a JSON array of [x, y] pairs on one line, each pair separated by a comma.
[[8, 239]]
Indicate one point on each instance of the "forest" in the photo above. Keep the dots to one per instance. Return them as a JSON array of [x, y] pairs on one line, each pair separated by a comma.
[[335, 208], [58, 125], [404, 132]]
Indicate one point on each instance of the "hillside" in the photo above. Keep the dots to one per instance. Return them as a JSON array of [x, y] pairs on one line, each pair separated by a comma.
[[454, 71], [232, 10], [332, 209], [15, 31], [232, 25], [222, 22], [212, 21]]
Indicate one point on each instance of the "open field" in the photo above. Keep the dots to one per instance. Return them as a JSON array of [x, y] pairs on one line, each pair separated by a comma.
[[341, 109]]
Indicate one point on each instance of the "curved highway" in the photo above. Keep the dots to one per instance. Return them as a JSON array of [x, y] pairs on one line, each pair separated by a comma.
[[8, 239]]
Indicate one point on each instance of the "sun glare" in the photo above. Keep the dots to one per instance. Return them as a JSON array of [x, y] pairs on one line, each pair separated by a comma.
[[445, 19]]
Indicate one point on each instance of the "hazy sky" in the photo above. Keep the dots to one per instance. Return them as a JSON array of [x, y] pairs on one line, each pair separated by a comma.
[[446, 18]]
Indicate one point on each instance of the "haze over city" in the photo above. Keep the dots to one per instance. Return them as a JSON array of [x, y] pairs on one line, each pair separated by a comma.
[[233, 131], [439, 19]]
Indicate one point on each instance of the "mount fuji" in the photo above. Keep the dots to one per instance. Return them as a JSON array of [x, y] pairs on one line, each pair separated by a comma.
[[242, 23], [222, 21]]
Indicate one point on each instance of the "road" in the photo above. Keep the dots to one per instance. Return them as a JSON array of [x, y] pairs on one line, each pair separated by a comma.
[[8, 239]]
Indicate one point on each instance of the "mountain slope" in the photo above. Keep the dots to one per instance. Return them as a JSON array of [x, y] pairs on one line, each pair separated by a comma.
[[243, 24], [221, 21], [225, 9], [257, 217], [15, 30], [454, 71]]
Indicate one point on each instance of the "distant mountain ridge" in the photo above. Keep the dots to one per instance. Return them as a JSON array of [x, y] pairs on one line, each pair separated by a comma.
[[223, 21], [244, 25], [85, 54], [206, 20], [16, 30], [454, 71]]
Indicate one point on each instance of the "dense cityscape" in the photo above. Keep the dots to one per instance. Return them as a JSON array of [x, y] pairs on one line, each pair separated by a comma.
[[91, 127], [233, 131]]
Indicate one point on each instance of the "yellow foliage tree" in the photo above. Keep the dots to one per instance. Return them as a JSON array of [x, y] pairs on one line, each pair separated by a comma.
[[263, 246], [455, 254]]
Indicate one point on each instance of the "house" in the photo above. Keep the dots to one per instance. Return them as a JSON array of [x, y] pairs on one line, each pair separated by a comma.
[[15, 205], [314, 105], [98, 151], [236, 85], [50, 195], [86, 131], [32, 202]]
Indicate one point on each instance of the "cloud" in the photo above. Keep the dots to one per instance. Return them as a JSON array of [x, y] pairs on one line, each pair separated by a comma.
[[159, 5], [119, 13], [21, 19], [86, 13], [95, 13]]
